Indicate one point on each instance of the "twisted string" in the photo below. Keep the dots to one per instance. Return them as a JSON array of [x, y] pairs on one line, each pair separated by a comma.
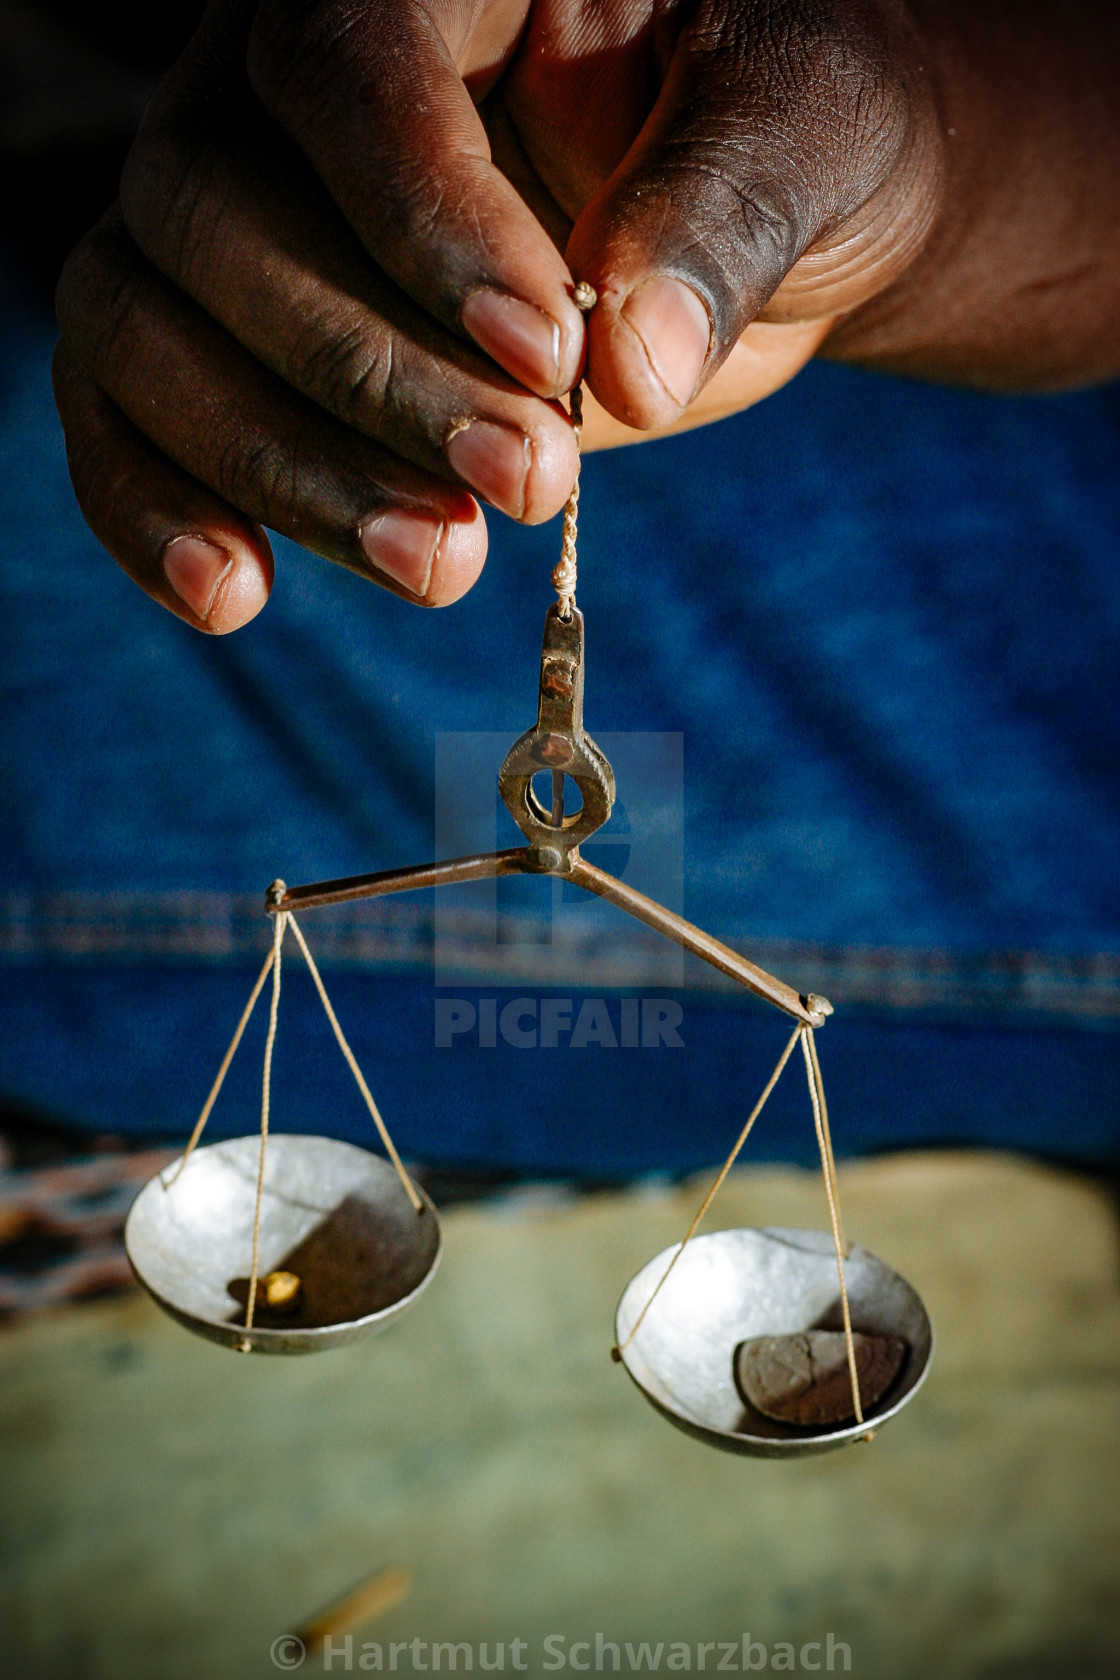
[[564, 572]]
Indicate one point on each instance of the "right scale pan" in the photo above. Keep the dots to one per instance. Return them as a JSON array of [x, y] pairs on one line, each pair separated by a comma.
[[732, 1286]]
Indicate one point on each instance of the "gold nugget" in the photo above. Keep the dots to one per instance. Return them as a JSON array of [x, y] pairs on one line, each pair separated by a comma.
[[281, 1291]]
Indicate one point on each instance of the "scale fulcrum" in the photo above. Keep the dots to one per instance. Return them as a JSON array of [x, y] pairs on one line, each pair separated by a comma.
[[771, 1343]]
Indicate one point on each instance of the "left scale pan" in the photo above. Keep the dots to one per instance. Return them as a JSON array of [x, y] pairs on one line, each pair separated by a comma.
[[334, 1216]]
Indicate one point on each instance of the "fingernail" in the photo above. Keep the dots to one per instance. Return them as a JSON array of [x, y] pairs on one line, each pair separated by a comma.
[[194, 568], [673, 326], [403, 545], [524, 340], [494, 461]]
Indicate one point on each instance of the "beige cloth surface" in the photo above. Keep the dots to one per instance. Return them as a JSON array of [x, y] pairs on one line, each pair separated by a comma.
[[170, 1508]]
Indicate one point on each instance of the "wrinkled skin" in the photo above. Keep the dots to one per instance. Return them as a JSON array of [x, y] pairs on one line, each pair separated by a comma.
[[335, 297]]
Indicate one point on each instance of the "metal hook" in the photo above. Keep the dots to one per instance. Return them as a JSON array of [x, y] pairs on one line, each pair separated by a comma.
[[558, 743]]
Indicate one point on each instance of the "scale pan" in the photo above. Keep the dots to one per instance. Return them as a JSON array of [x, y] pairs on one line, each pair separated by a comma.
[[334, 1215], [733, 1285]]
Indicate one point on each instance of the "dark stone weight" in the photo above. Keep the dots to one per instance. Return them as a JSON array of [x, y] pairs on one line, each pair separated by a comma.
[[804, 1379]]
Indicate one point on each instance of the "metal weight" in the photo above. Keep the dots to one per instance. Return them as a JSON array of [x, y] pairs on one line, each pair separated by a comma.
[[334, 1215], [733, 1285]]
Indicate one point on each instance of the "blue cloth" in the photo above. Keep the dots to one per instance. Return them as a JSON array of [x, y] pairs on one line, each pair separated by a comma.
[[883, 620]]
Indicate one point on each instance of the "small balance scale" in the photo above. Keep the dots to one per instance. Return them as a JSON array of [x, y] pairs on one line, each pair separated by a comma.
[[771, 1343]]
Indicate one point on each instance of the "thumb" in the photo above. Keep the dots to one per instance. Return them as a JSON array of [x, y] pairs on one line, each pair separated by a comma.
[[789, 170]]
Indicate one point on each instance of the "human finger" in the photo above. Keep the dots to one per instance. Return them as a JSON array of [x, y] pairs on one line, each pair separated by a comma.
[[767, 356], [229, 423], [186, 548], [375, 100], [233, 216], [790, 168]]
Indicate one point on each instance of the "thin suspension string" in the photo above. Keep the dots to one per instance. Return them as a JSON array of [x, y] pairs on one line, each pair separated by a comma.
[[351, 1061], [830, 1169], [266, 1085], [564, 572], [224, 1069], [812, 1068], [617, 1352], [272, 966]]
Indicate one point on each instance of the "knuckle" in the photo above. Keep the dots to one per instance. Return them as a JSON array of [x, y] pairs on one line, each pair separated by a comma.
[[419, 200], [293, 53], [70, 291], [258, 478], [283, 481], [830, 71], [169, 204], [348, 369], [372, 385], [323, 69], [796, 114], [97, 296], [103, 470], [105, 490], [82, 276], [154, 160]]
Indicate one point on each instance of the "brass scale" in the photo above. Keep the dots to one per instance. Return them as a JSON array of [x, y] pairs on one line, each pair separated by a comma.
[[294, 1244]]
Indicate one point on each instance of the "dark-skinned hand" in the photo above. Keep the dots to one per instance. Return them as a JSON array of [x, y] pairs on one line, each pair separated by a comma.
[[332, 299]]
